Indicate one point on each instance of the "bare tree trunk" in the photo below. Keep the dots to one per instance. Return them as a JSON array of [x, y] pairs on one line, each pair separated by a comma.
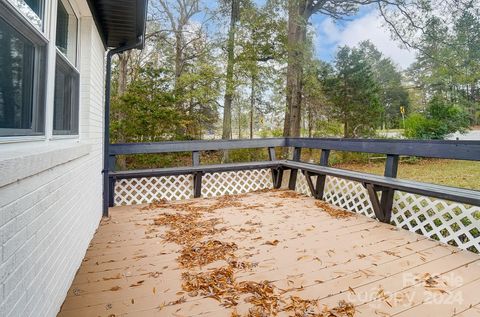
[[122, 87], [310, 123], [229, 89], [297, 33], [178, 56], [252, 104], [346, 133], [239, 121]]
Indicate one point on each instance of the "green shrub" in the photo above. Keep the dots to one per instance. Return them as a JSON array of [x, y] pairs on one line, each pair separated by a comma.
[[326, 128], [441, 119]]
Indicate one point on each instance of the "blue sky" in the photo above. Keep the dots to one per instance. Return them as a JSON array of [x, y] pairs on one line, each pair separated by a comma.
[[366, 25], [326, 49]]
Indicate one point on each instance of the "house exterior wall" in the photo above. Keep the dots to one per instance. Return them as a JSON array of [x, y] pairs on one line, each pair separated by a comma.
[[51, 196]]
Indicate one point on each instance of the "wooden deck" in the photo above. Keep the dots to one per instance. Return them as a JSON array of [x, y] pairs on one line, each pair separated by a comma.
[[268, 253]]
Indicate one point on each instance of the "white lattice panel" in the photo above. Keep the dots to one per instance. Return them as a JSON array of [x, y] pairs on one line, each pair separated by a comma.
[[144, 190], [238, 182], [349, 195], [449, 222]]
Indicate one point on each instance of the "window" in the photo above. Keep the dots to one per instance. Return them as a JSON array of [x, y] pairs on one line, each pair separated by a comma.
[[65, 118], [32, 10], [66, 102], [22, 69], [66, 36]]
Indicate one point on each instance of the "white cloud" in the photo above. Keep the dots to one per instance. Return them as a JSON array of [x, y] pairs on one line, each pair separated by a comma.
[[368, 27]]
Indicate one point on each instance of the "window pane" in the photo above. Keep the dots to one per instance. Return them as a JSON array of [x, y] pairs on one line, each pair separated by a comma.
[[31, 9], [66, 37], [21, 108], [35, 5], [65, 117]]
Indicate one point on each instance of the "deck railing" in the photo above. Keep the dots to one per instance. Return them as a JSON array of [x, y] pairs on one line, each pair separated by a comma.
[[448, 214]]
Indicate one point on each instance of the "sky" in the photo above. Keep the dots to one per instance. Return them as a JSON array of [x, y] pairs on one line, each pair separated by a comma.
[[366, 25]]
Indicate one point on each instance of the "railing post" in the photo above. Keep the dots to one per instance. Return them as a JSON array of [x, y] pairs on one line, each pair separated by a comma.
[[391, 166], [386, 202], [292, 182], [111, 180], [197, 176], [383, 206], [277, 172], [321, 179]]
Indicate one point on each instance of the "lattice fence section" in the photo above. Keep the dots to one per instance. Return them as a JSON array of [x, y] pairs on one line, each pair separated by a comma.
[[449, 222], [238, 182], [144, 190], [346, 194]]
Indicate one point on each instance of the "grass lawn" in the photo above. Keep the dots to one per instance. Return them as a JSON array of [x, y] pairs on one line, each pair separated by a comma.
[[463, 174]]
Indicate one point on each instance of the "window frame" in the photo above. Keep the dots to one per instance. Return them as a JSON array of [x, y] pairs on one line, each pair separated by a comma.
[[77, 34], [60, 58], [46, 36], [42, 16], [16, 20], [74, 67]]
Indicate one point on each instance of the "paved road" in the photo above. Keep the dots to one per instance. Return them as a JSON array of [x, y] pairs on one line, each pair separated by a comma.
[[470, 135]]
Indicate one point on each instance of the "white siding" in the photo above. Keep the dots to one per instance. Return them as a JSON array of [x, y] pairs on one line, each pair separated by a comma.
[[48, 218]]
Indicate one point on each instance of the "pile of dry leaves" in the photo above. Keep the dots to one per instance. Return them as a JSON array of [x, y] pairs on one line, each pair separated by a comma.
[[289, 194], [218, 283], [188, 229], [206, 252], [302, 307], [333, 212]]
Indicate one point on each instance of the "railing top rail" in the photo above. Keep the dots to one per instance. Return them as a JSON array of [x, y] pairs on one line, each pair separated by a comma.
[[459, 150], [196, 145]]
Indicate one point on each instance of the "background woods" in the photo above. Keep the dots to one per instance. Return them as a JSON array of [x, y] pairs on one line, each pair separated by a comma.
[[245, 69]]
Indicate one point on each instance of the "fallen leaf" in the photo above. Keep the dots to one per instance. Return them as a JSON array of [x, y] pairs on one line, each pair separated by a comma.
[[273, 242]]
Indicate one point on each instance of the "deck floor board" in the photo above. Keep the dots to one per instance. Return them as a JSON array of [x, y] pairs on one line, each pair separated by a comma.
[[131, 270]]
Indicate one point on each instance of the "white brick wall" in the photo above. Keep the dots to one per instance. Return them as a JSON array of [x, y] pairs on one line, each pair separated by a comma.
[[48, 219]]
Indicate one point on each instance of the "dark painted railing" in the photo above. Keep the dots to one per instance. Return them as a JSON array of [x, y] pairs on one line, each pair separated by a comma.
[[387, 184]]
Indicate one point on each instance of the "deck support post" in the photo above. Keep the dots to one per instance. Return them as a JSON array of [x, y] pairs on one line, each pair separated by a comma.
[[197, 177], [277, 172], [391, 166], [321, 179], [308, 177], [383, 206], [318, 189], [292, 182], [111, 180]]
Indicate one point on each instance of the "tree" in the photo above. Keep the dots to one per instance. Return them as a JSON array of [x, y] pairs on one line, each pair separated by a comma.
[[353, 94], [299, 13], [229, 81], [392, 93], [261, 42], [448, 48], [178, 14], [315, 103], [441, 119], [148, 110], [180, 54]]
